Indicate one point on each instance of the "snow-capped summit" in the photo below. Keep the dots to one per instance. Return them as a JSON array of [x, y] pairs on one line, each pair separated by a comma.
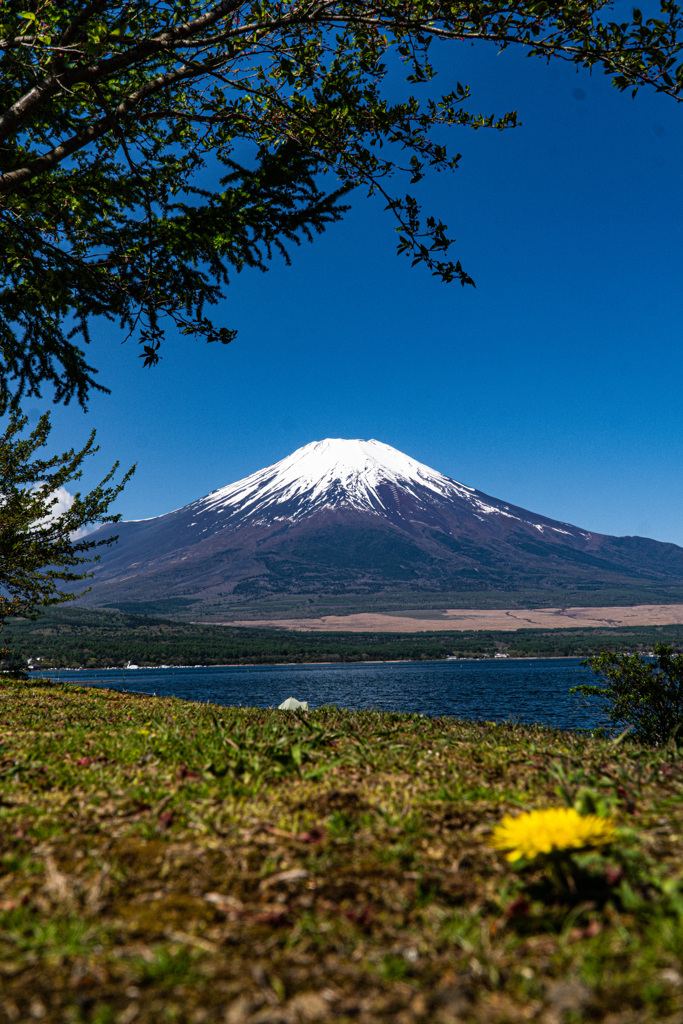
[[368, 476], [329, 474]]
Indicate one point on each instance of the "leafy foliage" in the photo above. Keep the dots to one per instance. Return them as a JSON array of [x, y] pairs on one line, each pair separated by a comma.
[[642, 694], [115, 117], [40, 551]]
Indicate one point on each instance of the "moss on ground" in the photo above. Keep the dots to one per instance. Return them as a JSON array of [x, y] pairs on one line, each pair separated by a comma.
[[169, 861]]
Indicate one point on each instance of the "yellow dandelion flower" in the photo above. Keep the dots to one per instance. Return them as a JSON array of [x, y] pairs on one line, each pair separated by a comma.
[[557, 828]]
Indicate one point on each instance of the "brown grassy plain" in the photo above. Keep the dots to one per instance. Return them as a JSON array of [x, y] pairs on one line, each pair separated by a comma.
[[487, 618]]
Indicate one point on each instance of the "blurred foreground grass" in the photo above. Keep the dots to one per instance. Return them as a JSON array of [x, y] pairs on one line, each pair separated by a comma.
[[168, 861]]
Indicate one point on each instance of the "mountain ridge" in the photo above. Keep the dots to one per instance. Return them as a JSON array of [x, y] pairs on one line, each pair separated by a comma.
[[360, 517]]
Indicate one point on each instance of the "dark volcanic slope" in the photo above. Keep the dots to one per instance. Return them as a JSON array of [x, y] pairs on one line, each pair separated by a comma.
[[360, 517]]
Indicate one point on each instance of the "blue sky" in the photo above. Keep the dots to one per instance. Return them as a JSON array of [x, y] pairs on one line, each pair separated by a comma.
[[554, 385]]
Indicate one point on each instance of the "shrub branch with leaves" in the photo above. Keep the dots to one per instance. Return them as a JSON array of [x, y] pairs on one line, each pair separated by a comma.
[[645, 695]]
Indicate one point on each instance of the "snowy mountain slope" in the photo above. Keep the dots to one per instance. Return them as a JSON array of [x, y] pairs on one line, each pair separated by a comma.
[[354, 516], [368, 476], [327, 474]]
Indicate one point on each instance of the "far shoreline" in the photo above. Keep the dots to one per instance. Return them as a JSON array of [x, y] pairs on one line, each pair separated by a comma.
[[36, 673]]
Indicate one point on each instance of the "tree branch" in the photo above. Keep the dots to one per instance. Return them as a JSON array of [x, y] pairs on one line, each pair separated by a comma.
[[12, 180], [52, 83]]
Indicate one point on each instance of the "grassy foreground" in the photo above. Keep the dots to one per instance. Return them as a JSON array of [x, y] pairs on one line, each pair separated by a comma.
[[168, 861]]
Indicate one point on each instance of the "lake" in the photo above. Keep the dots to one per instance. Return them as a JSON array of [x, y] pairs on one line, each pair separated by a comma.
[[533, 690]]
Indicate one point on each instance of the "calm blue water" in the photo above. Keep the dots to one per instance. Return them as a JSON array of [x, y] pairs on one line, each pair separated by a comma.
[[530, 691]]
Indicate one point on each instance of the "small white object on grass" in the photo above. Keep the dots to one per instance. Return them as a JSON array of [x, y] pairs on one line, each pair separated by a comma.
[[292, 704]]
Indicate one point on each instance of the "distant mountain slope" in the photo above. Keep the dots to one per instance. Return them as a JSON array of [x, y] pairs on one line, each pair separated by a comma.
[[361, 518]]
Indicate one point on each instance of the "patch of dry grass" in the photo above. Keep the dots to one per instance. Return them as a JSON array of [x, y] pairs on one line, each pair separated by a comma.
[[168, 861]]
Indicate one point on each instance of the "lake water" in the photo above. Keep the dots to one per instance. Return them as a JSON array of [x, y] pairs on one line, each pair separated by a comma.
[[534, 690]]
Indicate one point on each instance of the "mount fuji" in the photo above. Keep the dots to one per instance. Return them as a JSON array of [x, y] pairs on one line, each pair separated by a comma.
[[360, 519]]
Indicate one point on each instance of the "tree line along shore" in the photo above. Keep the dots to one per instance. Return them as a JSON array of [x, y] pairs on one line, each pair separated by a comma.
[[73, 638]]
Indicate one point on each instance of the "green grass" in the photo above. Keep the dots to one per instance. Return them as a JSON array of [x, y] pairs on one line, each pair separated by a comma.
[[168, 861]]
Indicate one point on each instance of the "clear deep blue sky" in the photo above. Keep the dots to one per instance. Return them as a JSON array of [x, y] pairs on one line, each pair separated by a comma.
[[555, 385]]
